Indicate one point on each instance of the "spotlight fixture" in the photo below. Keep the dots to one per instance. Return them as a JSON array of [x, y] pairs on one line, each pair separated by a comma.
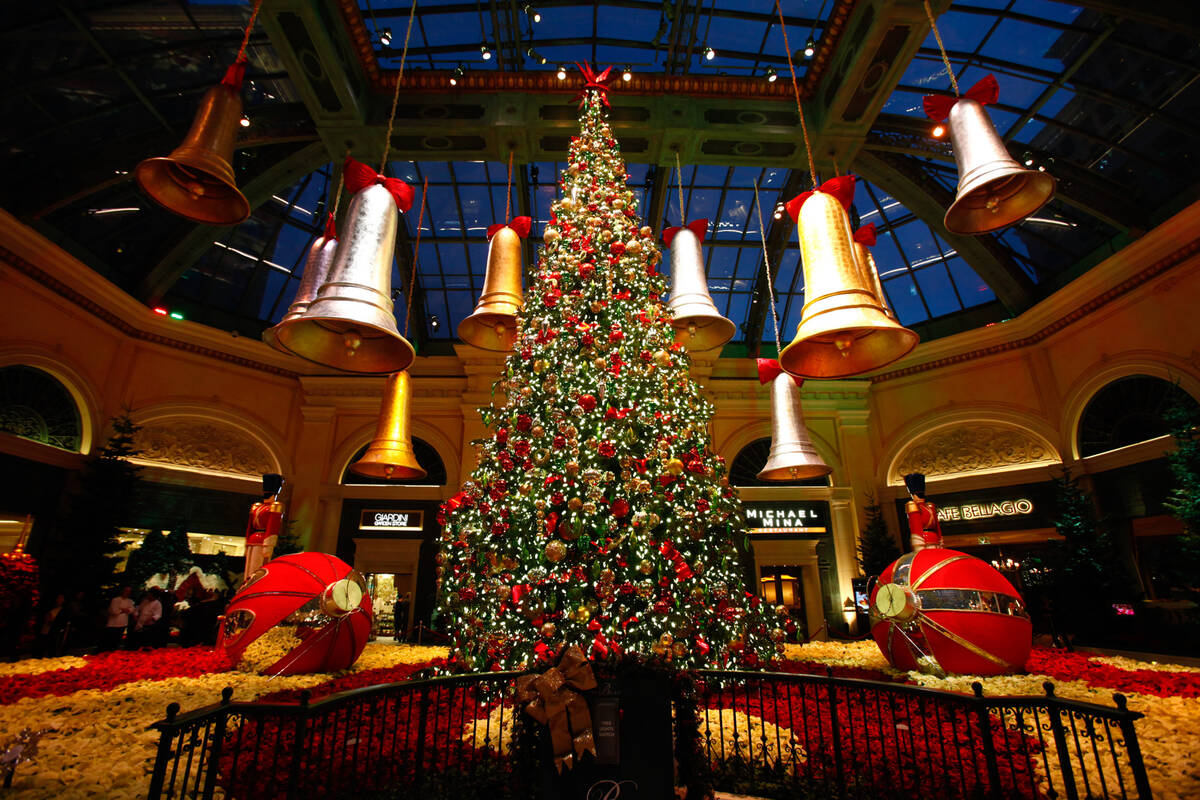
[[562, 72], [709, 54], [456, 76], [484, 52], [385, 38], [1028, 158], [532, 12], [939, 131], [245, 122], [810, 48], [771, 75], [536, 56], [627, 74], [779, 211], [434, 322]]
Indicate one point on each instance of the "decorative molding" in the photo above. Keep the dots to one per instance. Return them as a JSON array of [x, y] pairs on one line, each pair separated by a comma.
[[1079, 312], [545, 82], [101, 313], [972, 449], [203, 446]]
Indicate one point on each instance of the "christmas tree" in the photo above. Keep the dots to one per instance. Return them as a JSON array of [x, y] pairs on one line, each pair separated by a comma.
[[596, 515], [876, 547]]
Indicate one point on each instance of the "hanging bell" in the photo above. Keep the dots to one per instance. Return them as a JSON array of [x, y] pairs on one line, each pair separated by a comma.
[[350, 324], [864, 240], [843, 328], [793, 456], [390, 454], [994, 191], [316, 270], [493, 324], [698, 324], [196, 181]]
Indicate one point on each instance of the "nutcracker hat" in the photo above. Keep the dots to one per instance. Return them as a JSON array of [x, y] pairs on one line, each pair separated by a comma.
[[915, 483], [272, 483]]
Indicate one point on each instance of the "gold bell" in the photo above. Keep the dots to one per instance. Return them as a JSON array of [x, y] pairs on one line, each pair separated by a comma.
[[316, 270], [350, 325], [196, 181], [493, 323], [862, 249], [793, 456], [390, 455], [843, 328], [698, 324], [994, 191]]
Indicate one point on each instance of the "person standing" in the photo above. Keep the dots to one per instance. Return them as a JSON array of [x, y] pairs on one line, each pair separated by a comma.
[[149, 612], [119, 609], [50, 632], [401, 614]]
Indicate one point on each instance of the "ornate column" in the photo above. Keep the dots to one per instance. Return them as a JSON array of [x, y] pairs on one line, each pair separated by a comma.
[[308, 510], [483, 368]]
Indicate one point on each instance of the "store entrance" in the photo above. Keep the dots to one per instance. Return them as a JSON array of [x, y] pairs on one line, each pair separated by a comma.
[[391, 600], [781, 585]]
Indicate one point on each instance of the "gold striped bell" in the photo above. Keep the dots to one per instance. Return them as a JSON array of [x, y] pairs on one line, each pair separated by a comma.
[[493, 323], [390, 455]]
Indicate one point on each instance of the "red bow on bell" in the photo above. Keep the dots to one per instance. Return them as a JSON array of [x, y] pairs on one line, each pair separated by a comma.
[[235, 75], [866, 235], [359, 176], [696, 226], [599, 82], [937, 106], [841, 188], [769, 370], [519, 224], [330, 228]]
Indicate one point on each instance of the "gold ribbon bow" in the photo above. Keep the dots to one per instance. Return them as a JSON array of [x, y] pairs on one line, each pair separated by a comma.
[[549, 698]]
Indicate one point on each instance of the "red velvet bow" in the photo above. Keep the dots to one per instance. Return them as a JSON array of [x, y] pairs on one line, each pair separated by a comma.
[[599, 82], [769, 369], [841, 188], [453, 503], [937, 106], [330, 228], [519, 224], [696, 226], [519, 591], [359, 176], [234, 75], [682, 570], [866, 235]]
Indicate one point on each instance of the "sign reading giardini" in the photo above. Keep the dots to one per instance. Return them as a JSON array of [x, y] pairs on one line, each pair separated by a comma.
[[380, 520]]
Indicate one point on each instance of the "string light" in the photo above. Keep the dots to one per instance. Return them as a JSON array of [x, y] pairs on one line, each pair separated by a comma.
[[485, 52]]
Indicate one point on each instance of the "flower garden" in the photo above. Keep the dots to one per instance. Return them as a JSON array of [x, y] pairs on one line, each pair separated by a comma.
[[97, 710]]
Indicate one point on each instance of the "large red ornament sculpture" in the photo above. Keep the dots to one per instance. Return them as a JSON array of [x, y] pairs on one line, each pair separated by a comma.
[[942, 611], [312, 609]]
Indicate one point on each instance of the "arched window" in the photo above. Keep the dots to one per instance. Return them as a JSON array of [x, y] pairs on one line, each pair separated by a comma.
[[1127, 411], [35, 405], [750, 461], [427, 457]]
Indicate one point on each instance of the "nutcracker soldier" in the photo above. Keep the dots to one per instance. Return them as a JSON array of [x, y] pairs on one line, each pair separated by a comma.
[[923, 524], [262, 530]]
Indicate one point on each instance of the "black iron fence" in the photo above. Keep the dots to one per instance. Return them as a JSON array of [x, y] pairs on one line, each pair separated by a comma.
[[770, 735]]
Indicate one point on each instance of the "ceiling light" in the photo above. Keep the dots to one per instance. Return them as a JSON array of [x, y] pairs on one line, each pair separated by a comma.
[[562, 72], [245, 122], [939, 131], [456, 76], [532, 12], [627, 74], [485, 52], [771, 75], [709, 54], [810, 48], [385, 38], [97, 212]]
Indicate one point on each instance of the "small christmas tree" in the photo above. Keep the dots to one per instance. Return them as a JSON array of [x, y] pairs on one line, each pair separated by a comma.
[[82, 551], [597, 515], [876, 547], [159, 555]]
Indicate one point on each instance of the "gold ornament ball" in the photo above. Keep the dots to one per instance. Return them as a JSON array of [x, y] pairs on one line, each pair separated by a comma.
[[549, 629], [556, 551], [666, 639], [599, 363], [607, 575], [674, 466], [645, 567], [572, 468], [698, 594], [575, 503], [536, 431], [777, 634], [582, 614], [646, 232], [540, 365], [680, 649], [551, 235], [597, 306], [662, 358]]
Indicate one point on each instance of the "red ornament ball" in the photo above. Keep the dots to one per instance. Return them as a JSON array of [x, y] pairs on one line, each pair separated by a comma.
[[587, 402], [939, 610], [311, 608]]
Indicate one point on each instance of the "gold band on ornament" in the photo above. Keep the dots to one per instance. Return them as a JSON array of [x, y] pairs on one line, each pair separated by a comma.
[[917, 584], [974, 648]]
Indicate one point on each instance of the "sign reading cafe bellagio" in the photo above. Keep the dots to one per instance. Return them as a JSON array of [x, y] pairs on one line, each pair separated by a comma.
[[969, 511]]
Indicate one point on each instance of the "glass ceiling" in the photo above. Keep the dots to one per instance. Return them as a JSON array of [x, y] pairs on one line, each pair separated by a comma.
[[1105, 103], [743, 34]]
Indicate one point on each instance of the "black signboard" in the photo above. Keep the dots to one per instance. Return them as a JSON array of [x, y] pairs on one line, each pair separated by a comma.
[[791, 518], [374, 519], [1006, 508]]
